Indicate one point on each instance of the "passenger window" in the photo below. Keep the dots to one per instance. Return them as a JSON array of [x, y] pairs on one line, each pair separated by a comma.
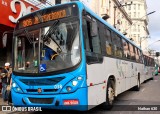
[[137, 56], [93, 41], [117, 45], [132, 52], [126, 49], [108, 42], [140, 56]]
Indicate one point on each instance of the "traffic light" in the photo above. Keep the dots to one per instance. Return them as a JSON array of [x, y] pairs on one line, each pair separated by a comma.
[[157, 54]]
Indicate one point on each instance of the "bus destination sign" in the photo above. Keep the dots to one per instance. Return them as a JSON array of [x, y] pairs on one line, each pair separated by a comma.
[[42, 18]]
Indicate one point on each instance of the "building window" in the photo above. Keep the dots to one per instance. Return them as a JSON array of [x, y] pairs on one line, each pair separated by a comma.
[[129, 7], [129, 14], [139, 6], [139, 39], [134, 28], [138, 28], [134, 6], [138, 14], [134, 14], [134, 36]]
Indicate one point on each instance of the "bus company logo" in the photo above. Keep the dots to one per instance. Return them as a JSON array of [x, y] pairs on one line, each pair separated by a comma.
[[6, 108], [39, 90]]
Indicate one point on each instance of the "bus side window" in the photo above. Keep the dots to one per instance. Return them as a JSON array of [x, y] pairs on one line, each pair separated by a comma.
[[92, 42], [117, 45], [137, 56], [120, 49], [132, 51], [140, 56], [92, 39], [114, 39], [108, 42], [145, 61], [126, 49], [85, 33]]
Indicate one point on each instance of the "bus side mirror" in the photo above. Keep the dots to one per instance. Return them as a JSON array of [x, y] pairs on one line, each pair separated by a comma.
[[94, 30]]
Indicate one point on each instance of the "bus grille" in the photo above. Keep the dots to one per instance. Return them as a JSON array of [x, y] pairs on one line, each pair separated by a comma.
[[41, 100], [45, 81], [44, 90]]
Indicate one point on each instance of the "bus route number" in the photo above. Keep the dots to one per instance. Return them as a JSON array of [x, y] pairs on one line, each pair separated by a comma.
[[59, 86]]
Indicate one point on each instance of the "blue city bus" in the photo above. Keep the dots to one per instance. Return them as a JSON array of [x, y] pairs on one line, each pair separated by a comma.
[[67, 57]]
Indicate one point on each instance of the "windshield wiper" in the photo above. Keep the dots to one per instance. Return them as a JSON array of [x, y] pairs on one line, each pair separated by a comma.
[[28, 36], [51, 29], [49, 41]]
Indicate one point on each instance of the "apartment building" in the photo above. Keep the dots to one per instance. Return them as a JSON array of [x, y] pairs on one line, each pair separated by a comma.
[[139, 29]]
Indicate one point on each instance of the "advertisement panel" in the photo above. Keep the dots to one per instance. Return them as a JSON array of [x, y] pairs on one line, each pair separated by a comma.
[[12, 10]]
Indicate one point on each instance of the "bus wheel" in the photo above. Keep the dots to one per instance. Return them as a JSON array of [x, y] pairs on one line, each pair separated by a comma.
[[137, 87], [110, 94]]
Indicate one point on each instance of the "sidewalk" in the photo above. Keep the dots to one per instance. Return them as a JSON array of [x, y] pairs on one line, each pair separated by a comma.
[[1, 100]]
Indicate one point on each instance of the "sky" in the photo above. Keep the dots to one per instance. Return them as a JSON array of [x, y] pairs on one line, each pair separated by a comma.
[[154, 24]]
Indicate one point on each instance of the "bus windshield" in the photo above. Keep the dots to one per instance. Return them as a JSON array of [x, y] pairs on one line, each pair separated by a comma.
[[47, 49]]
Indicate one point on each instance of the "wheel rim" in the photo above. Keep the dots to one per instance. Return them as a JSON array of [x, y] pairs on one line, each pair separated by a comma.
[[110, 95]]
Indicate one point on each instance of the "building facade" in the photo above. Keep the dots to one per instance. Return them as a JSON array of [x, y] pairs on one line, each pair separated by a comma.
[[139, 29]]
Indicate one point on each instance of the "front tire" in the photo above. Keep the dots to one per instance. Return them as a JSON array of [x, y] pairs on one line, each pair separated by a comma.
[[110, 95]]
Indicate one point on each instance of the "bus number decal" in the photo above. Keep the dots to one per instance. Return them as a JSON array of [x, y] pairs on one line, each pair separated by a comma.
[[59, 86]]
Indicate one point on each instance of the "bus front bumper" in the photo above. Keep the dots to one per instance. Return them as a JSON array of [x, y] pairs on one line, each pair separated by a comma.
[[71, 101]]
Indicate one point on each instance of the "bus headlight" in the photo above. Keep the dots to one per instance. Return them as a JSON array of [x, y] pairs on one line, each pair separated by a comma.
[[16, 88], [73, 85], [13, 85]]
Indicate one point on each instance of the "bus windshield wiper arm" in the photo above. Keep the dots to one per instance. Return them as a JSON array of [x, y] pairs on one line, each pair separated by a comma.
[[49, 41], [28, 36], [51, 29]]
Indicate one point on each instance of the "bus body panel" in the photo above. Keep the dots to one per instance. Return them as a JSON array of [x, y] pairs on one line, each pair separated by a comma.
[[125, 77], [96, 83]]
